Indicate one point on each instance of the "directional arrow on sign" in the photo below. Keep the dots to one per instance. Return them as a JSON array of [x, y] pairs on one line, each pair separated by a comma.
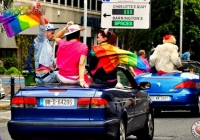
[[105, 15]]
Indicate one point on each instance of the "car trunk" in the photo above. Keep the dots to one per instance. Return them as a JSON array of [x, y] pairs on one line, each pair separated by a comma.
[[162, 84], [57, 103]]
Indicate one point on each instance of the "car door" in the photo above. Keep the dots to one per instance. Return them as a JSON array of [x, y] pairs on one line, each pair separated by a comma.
[[135, 101]]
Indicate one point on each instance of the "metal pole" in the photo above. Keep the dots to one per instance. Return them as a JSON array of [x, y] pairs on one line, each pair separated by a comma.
[[85, 22], [181, 26], [12, 87]]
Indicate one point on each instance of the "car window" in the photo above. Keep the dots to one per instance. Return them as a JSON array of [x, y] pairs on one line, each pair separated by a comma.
[[192, 67], [121, 78]]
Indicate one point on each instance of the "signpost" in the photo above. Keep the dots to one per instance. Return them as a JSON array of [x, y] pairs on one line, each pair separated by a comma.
[[125, 15]]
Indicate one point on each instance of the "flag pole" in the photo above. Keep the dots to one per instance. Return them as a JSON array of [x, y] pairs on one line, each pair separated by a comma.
[[181, 26], [85, 22]]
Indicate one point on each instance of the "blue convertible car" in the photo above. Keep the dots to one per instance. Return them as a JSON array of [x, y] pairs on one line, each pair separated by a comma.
[[59, 111], [175, 91]]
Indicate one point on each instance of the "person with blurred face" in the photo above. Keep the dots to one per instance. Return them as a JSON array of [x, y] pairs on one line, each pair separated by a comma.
[[186, 55], [43, 53], [100, 76], [165, 57], [142, 55], [71, 55]]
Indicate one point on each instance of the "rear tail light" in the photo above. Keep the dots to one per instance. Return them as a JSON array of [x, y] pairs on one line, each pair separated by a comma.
[[83, 102], [186, 84], [30, 102], [17, 102], [92, 102], [21, 102], [99, 103]]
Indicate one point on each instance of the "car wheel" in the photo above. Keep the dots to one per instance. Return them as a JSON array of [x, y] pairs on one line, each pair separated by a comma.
[[147, 132], [121, 135]]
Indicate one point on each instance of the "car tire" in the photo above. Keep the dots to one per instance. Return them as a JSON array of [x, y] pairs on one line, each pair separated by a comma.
[[121, 134], [147, 132]]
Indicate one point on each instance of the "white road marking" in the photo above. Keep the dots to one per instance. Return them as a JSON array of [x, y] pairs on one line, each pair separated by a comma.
[[5, 112], [2, 117]]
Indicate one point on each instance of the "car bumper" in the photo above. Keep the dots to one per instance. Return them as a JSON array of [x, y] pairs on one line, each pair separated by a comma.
[[178, 101], [58, 130], [173, 106]]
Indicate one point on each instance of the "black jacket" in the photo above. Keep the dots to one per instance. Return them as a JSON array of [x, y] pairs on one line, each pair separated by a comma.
[[100, 73]]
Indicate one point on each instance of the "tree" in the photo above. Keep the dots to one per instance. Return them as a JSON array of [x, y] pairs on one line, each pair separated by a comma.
[[24, 42], [165, 19], [6, 3]]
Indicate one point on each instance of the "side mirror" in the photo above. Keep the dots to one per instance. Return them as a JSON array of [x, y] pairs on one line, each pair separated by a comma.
[[144, 85]]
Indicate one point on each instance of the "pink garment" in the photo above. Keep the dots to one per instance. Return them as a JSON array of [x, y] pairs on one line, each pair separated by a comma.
[[68, 56], [42, 67], [138, 71]]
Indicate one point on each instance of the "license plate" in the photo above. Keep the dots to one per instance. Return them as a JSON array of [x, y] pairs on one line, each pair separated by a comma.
[[160, 98], [58, 102]]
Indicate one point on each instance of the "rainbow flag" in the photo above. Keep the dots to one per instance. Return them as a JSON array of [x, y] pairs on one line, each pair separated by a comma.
[[110, 57], [14, 23]]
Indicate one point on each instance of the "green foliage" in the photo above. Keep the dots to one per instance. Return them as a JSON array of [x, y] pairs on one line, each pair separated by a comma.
[[24, 42], [2, 70], [7, 3], [13, 71], [165, 19], [10, 62], [123, 80]]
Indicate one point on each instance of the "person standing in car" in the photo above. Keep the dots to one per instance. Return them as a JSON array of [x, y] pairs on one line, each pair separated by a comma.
[[71, 55], [99, 75], [142, 55], [186, 55], [43, 53], [165, 57]]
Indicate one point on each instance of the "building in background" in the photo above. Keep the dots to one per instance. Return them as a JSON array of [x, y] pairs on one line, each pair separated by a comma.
[[59, 12]]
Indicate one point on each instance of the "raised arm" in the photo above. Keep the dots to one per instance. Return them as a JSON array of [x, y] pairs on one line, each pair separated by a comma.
[[41, 35], [59, 35]]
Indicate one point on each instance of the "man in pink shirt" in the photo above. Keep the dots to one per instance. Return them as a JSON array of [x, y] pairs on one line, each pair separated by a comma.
[[71, 55], [142, 55]]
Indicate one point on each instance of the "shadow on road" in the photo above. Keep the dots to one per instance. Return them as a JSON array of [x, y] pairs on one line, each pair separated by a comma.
[[175, 114]]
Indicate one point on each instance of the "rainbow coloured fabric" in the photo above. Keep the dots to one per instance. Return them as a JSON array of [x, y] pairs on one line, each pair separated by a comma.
[[14, 21], [110, 57]]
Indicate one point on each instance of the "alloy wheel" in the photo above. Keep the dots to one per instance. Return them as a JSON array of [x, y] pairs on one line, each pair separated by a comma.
[[150, 125], [122, 131]]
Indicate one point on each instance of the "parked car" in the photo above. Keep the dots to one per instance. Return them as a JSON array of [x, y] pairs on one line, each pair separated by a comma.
[[61, 111], [2, 92], [175, 91]]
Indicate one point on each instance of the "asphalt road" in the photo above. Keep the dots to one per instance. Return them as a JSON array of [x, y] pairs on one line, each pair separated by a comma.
[[168, 126]]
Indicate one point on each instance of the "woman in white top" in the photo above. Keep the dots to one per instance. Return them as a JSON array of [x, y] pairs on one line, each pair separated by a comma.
[[165, 57]]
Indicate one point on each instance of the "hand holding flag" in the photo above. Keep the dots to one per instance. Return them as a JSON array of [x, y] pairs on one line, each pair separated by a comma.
[[17, 19]]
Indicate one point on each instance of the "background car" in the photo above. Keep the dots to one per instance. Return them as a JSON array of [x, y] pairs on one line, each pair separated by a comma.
[[61, 111], [175, 91], [2, 92]]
